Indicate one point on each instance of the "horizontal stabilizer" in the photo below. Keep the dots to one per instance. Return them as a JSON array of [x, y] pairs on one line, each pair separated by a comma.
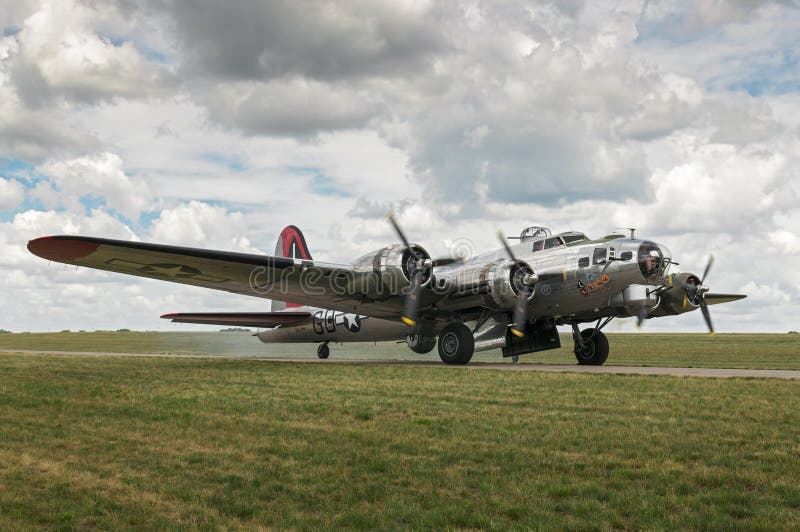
[[240, 319], [716, 299]]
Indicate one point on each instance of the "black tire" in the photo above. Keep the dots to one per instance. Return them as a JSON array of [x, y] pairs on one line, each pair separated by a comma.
[[323, 351], [595, 348], [456, 344], [421, 344]]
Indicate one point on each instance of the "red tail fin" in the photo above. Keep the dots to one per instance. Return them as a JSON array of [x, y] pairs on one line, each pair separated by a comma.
[[291, 243]]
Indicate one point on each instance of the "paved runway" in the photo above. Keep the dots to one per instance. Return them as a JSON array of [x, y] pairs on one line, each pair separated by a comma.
[[562, 368]]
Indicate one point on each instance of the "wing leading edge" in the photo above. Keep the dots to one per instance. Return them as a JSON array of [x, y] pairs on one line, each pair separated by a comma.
[[716, 299]]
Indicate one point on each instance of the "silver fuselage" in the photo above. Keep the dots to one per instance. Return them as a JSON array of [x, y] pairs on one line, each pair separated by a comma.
[[567, 287]]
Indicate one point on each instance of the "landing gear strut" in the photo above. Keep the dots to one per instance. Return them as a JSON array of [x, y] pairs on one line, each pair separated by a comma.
[[323, 351], [456, 344], [591, 346]]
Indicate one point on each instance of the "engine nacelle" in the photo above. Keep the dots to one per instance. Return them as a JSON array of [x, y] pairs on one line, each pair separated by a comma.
[[632, 299], [680, 298], [393, 268], [495, 285]]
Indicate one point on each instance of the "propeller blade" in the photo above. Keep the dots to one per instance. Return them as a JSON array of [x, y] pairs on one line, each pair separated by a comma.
[[409, 316], [708, 267], [390, 217], [520, 318], [706, 316], [641, 316], [504, 241], [446, 261]]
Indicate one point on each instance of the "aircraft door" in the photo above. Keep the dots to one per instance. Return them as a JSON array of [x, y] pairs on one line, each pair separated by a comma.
[[330, 320]]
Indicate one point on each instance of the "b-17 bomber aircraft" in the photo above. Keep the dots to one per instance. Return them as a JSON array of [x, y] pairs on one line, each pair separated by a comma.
[[512, 298]]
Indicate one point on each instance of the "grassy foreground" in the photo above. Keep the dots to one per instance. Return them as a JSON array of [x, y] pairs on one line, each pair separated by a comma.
[[765, 351], [205, 443]]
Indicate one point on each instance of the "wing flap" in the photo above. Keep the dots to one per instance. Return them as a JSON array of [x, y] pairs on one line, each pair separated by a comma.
[[242, 319]]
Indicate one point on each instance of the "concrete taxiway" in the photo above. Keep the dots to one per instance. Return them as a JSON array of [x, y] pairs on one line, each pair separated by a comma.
[[506, 366]]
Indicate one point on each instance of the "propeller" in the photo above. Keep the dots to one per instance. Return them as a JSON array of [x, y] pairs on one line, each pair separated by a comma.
[[523, 281], [419, 269], [700, 295], [641, 316]]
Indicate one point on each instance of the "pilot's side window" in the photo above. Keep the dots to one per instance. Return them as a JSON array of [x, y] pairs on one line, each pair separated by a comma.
[[583, 262], [552, 242], [599, 256], [538, 245]]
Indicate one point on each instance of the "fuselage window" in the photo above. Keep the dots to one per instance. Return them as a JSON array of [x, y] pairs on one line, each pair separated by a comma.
[[538, 245], [599, 256], [583, 262]]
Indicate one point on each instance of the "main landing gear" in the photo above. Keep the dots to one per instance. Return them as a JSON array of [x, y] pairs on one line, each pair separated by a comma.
[[591, 345], [456, 344], [323, 351]]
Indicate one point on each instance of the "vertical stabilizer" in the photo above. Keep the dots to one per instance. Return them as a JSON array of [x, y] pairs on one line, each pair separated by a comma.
[[292, 244]]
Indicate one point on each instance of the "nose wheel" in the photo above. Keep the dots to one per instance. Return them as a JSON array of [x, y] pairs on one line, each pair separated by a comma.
[[591, 346], [323, 351]]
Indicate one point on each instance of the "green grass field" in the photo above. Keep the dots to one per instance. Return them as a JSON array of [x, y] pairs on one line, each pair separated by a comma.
[[766, 351], [111, 443]]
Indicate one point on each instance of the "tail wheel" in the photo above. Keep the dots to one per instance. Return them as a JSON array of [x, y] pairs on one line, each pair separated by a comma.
[[323, 351], [456, 344], [594, 350]]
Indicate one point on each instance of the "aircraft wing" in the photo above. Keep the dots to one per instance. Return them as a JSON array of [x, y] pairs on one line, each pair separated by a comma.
[[301, 281], [241, 319], [716, 299]]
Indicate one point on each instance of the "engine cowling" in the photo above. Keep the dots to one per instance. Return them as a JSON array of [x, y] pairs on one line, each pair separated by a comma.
[[496, 284], [393, 268], [682, 297]]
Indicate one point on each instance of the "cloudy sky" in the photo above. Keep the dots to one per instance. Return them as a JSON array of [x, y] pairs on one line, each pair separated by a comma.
[[215, 124]]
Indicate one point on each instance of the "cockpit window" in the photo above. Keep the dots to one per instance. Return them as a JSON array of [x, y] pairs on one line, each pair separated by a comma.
[[538, 245], [651, 260], [552, 242], [573, 237]]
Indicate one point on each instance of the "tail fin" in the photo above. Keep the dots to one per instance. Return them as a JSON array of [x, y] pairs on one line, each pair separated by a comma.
[[291, 243]]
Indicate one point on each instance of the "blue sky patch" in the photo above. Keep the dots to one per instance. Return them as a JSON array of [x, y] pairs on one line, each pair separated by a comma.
[[775, 74], [15, 168], [321, 184]]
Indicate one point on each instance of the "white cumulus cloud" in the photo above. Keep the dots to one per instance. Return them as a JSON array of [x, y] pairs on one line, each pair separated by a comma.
[[98, 175], [12, 193], [200, 224]]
